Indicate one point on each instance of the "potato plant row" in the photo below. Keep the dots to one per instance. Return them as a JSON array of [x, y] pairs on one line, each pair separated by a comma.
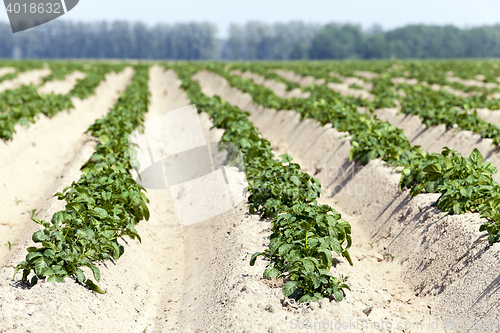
[[104, 205], [465, 184], [22, 105], [20, 67], [304, 233], [432, 107], [432, 72]]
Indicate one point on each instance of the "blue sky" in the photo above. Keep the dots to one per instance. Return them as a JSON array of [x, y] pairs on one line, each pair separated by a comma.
[[388, 13]]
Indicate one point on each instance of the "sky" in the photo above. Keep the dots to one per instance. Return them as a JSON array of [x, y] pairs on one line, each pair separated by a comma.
[[387, 13]]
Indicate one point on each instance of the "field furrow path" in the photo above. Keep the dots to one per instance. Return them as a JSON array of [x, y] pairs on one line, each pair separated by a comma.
[[36, 158], [377, 281], [431, 139], [34, 77], [6, 70], [63, 86]]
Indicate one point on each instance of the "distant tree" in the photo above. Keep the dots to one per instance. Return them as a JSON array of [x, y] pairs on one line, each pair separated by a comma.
[[235, 44], [6, 41], [143, 42], [251, 41], [334, 41]]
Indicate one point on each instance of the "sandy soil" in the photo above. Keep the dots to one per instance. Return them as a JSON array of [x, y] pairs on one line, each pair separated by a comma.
[[355, 80], [62, 87], [342, 88], [399, 80], [473, 83], [459, 93], [303, 81], [177, 280], [6, 70], [435, 87], [367, 75], [433, 139], [37, 156], [277, 87], [444, 260], [376, 281], [411, 263], [34, 77]]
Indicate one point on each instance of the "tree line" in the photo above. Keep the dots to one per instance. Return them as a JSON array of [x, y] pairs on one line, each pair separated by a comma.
[[250, 41]]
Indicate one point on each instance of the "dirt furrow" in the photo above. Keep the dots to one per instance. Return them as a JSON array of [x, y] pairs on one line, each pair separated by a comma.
[[63, 86], [444, 260], [34, 77], [434, 138], [215, 254], [37, 156], [179, 279], [6, 70], [376, 280], [278, 87]]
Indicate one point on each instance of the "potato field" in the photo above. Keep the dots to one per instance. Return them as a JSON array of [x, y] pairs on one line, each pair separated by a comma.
[[371, 199]]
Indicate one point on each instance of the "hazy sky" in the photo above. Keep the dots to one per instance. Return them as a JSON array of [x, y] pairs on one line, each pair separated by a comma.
[[388, 13]]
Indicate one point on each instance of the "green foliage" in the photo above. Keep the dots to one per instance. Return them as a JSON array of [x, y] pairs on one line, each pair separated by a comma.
[[20, 67], [300, 248], [465, 184], [22, 105], [280, 190], [59, 69], [95, 73], [102, 206], [281, 185], [440, 107]]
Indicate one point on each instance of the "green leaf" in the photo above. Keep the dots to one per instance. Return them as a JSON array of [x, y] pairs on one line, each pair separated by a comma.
[[39, 236], [92, 286], [271, 273], [476, 157], [254, 257], [101, 212], [289, 288], [431, 187], [433, 168], [79, 275], [295, 180], [33, 255], [285, 158], [96, 272], [40, 266], [339, 296]]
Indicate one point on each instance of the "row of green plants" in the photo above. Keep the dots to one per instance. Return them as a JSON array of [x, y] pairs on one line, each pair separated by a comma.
[[303, 232], [59, 69], [430, 71], [104, 205], [440, 107], [432, 107], [264, 71], [20, 67], [465, 184], [22, 105]]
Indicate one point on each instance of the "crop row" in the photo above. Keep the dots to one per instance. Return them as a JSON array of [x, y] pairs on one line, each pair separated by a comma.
[[465, 184], [22, 105], [304, 233], [432, 72], [103, 205], [432, 107], [20, 67]]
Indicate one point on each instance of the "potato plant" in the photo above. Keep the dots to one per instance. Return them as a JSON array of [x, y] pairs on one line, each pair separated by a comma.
[[104, 205], [465, 184], [301, 252]]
